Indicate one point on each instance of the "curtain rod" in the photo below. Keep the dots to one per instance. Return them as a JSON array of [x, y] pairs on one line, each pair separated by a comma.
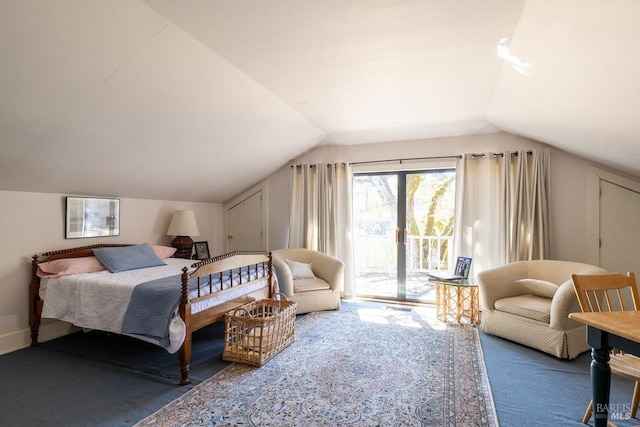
[[328, 164], [458, 156], [483, 155], [407, 159]]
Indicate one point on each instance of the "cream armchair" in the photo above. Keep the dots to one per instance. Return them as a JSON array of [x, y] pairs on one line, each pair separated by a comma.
[[312, 292], [535, 311]]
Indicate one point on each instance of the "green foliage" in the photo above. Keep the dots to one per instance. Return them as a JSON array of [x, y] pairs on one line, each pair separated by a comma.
[[430, 198], [430, 203]]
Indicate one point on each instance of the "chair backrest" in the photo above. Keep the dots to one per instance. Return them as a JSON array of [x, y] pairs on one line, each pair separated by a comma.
[[606, 292]]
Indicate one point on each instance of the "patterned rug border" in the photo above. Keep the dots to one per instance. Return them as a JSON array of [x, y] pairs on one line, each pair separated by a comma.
[[304, 324], [484, 380]]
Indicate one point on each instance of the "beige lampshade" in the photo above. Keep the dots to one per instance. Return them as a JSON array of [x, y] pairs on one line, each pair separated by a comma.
[[183, 223]]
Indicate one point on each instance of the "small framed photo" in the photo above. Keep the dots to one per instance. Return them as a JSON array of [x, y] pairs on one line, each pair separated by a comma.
[[202, 250], [463, 265]]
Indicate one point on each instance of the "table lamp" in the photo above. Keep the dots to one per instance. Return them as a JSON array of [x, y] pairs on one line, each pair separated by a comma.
[[183, 226]]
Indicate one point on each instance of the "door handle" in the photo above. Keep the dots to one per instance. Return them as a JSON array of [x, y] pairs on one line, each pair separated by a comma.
[[229, 237], [404, 236]]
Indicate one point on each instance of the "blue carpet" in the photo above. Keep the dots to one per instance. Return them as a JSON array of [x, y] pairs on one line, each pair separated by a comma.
[[531, 388], [99, 379]]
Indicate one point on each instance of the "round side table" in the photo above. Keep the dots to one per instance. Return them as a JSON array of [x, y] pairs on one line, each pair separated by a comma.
[[457, 302]]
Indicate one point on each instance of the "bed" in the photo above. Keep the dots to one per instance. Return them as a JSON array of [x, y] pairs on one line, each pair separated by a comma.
[[162, 303]]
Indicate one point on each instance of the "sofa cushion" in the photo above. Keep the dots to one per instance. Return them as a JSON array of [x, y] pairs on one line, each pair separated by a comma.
[[300, 270], [304, 285], [531, 306], [538, 287]]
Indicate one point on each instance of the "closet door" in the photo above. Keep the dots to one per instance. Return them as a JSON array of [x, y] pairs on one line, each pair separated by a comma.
[[244, 221], [619, 228]]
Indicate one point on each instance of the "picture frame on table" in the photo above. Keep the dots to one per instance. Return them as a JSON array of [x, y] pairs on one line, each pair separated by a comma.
[[202, 250], [463, 265]]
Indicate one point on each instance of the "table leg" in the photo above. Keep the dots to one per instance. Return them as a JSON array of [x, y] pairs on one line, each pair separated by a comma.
[[440, 302], [473, 302], [459, 308], [600, 384], [450, 307]]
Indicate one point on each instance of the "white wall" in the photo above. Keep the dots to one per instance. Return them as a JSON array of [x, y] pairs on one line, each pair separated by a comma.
[[569, 181], [33, 223]]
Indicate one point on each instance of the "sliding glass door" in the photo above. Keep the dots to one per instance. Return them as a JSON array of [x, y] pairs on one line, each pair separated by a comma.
[[375, 226], [403, 228]]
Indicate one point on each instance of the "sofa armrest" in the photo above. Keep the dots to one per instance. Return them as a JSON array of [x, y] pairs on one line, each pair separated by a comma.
[[283, 273], [500, 282], [330, 269], [564, 302]]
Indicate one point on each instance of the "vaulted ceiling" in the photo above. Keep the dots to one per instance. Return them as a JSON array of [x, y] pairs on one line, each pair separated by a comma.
[[196, 100]]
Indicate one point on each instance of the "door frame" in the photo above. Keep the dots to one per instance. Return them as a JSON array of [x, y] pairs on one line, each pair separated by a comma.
[[260, 187], [401, 174], [593, 237]]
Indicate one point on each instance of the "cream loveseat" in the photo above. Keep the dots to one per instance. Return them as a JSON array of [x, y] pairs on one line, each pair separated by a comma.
[[318, 289], [534, 312]]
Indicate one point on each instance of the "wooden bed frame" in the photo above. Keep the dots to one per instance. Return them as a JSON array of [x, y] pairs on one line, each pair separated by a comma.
[[233, 261]]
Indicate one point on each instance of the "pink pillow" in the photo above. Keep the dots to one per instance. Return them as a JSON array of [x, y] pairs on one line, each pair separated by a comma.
[[68, 266], [164, 251]]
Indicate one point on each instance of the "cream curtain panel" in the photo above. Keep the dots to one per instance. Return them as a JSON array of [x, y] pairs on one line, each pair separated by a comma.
[[320, 216], [502, 207]]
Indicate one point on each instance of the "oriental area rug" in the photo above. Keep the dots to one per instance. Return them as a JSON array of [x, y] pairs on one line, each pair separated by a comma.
[[351, 367]]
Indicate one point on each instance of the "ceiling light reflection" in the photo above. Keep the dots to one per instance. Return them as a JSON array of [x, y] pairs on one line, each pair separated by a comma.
[[503, 52]]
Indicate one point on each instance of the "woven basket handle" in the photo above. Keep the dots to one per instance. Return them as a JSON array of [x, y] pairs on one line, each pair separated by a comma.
[[247, 313], [282, 296]]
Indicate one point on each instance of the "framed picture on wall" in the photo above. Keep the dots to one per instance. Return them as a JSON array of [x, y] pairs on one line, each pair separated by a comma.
[[91, 217], [202, 250]]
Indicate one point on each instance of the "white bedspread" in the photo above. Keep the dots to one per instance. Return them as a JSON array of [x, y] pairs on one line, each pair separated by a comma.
[[100, 300]]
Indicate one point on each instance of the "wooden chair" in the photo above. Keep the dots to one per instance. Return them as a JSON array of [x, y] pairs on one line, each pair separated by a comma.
[[612, 292]]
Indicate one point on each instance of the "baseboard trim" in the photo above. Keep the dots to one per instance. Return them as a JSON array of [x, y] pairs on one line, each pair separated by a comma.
[[22, 338]]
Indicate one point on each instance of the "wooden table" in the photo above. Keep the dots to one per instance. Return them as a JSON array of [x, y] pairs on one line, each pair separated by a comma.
[[607, 330], [457, 301]]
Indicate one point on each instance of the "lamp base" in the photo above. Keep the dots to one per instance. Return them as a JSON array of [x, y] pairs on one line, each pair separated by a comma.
[[184, 246]]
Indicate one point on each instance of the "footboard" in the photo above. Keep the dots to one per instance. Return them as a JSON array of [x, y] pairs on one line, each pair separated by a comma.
[[234, 270]]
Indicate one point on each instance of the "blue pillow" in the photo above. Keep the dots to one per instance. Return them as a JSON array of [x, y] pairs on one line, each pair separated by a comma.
[[126, 258]]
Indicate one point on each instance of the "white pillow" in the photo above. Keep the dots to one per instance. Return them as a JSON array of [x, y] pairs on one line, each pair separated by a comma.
[[541, 288], [300, 270]]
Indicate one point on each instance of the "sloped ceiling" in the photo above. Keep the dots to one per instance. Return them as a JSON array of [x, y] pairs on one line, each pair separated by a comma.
[[196, 100], [581, 90]]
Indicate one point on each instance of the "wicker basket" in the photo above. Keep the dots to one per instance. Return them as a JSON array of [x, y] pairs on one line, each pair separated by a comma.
[[257, 331]]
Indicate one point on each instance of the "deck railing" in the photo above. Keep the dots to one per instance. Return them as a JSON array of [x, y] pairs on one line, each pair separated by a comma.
[[377, 254]]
